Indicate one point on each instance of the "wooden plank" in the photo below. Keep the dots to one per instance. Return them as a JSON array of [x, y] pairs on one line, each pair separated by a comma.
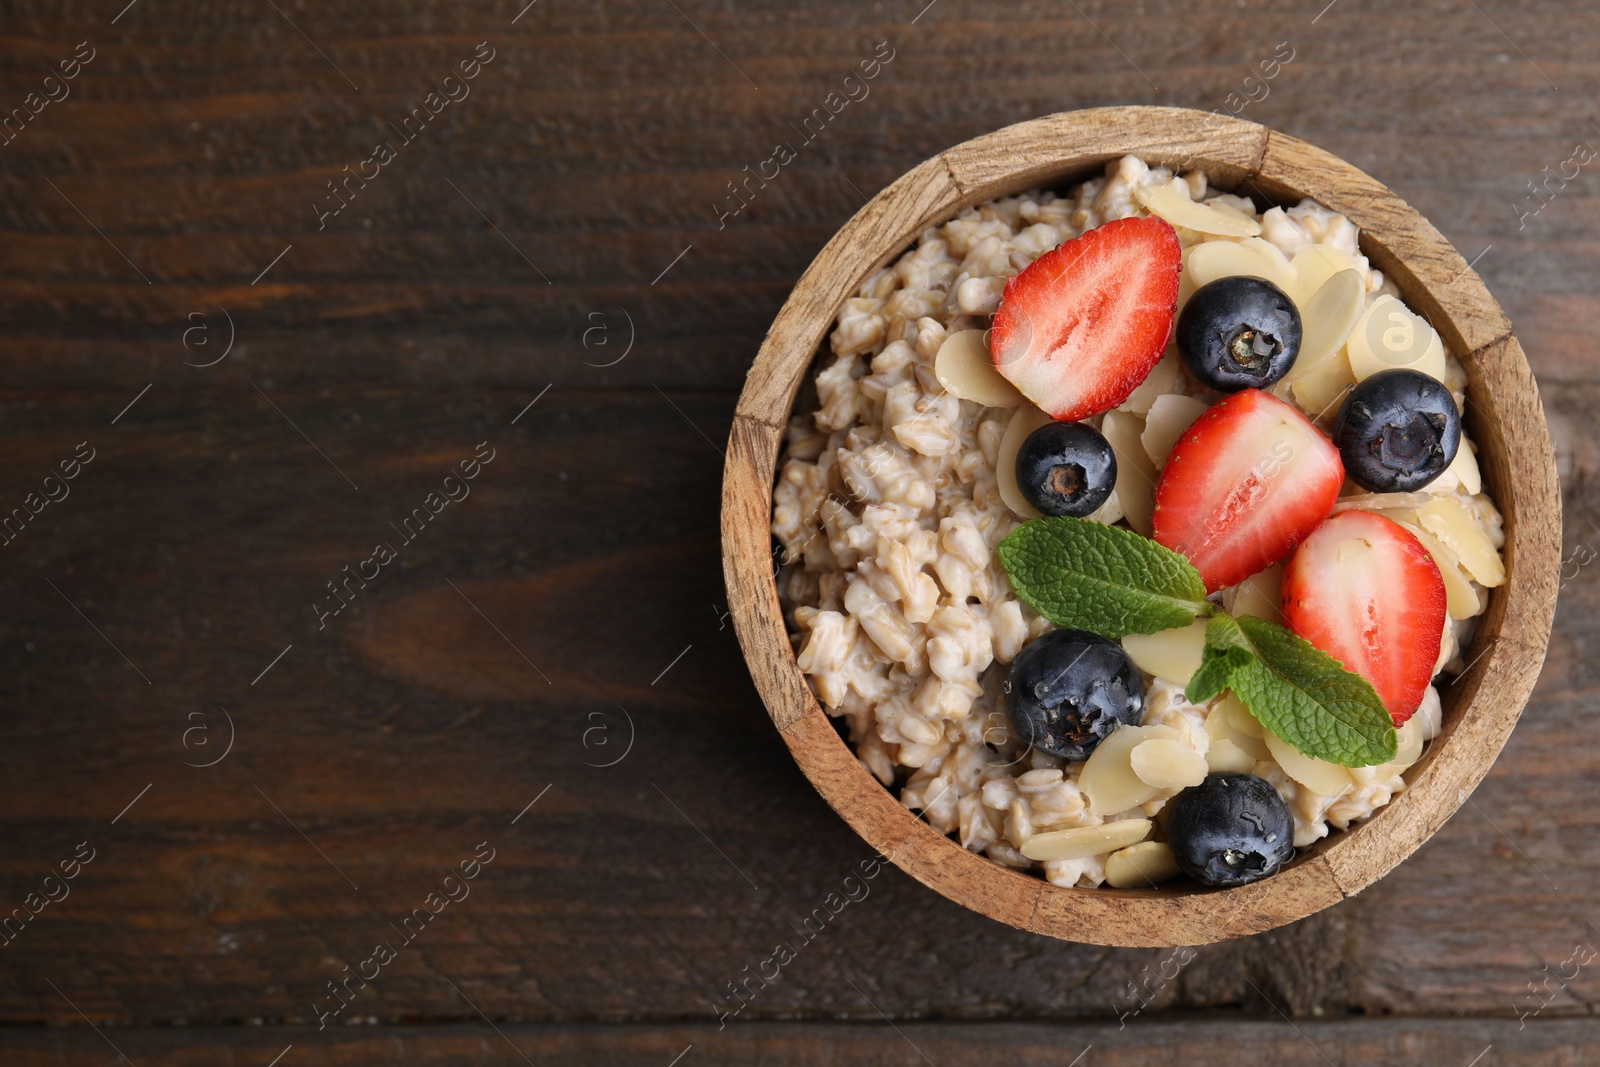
[[1148, 1041], [202, 210]]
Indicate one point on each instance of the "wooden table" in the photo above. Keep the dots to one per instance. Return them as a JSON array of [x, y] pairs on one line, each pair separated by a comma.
[[534, 676]]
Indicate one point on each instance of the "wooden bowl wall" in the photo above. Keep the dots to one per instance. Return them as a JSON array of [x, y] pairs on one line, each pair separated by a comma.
[[1503, 416]]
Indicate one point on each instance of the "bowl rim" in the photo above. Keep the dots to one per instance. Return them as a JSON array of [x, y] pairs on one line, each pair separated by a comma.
[[1503, 415]]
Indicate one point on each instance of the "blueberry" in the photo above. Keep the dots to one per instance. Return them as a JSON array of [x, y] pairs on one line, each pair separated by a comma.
[[1397, 431], [1066, 468], [1239, 333], [1231, 829], [1068, 690]]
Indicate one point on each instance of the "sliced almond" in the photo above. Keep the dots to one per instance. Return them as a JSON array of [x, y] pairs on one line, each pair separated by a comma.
[[1382, 503], [1454, 524], [1461, 599], [1186, 283], [1146, 864], [1319, 776], [1239, 717], [964, 367], [1108, 513], [1136, 475], [1167, 202], [1391, 335], [1327, 320], [1217, 204], [1210, 260], [1026, 420], [1408, 749], [1167, 764], [1319, 391], [1162, 379], [1225, 259], [1170, 415], [1449, 648], [1465, 468], [1083, 841], [1220, 728], [1226, 755], [1258, 595], [1282, 271], [1409, 742], [1171, 655], [1107, 779], [1313, 267]]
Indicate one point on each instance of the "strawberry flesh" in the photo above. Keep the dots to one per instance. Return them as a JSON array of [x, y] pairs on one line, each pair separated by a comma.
[[1243, 485], [1081, 326], [1363, 590]]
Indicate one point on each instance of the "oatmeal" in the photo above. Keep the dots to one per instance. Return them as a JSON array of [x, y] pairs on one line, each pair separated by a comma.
[[898, 484]]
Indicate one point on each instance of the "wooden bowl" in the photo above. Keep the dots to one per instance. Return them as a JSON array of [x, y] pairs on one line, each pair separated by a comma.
[[1503, 415]]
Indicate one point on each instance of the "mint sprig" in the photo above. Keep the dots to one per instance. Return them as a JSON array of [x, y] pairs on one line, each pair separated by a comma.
[[1294, 689], [1090, 576], [1225, 652]]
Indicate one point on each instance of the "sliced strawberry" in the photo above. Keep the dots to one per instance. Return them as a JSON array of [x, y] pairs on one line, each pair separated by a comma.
[[1082, 325], [1364, 591], [1245, 484]]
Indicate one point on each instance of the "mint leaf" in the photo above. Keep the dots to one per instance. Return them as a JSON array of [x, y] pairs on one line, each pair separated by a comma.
[[1091, 576], [1226, 650], [1305, 697]]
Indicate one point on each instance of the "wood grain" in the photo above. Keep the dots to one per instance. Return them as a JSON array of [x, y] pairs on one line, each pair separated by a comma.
[[1142, 1041], [596, 144]]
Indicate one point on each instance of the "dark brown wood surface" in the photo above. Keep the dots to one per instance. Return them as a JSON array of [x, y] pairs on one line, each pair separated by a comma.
[[478, 272]]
